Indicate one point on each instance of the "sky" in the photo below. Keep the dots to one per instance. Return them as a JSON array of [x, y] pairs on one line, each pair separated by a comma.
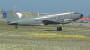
[[47, 6]]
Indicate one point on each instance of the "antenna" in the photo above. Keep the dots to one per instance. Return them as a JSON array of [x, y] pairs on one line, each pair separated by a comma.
[[38, 14], [15, 8]]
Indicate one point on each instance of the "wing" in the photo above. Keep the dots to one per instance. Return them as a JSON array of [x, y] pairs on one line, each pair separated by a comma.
[[47, 22]]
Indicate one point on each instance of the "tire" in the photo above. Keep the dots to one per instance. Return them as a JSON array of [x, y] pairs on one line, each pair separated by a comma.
[[59, 28]]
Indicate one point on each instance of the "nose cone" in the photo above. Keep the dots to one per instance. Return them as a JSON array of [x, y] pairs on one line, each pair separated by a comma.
[[81, 16]]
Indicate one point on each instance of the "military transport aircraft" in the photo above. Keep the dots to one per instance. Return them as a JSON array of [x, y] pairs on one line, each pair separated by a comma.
[[16, 18]]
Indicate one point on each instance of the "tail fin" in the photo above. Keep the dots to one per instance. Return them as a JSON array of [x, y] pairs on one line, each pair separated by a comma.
[[12, 16]]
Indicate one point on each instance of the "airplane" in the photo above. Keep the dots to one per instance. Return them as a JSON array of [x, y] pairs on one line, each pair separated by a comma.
[[16, 18]]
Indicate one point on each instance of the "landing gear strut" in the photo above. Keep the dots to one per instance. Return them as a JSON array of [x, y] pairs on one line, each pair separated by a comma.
[[16, 26]]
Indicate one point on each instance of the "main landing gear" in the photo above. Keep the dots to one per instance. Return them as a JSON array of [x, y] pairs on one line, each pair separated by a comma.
[[59, 28]]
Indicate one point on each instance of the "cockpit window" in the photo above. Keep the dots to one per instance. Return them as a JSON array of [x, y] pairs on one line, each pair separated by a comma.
[[76, 13]]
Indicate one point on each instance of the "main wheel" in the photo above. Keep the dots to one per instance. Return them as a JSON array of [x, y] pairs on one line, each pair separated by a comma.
[[59, 28]]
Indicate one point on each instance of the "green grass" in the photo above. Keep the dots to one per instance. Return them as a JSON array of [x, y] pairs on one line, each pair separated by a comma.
[[20, 42], [84, 26]]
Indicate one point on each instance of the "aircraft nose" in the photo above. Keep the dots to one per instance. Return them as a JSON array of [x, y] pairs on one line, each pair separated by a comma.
[[81, 16]]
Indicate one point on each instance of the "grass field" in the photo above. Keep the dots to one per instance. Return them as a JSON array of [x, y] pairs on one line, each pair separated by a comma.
[[44, 38]]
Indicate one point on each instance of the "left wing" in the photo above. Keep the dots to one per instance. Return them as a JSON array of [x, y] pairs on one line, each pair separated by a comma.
[[47, 22]]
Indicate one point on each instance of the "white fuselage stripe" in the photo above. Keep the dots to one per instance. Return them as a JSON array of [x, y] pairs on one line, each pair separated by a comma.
[[49, 16]]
